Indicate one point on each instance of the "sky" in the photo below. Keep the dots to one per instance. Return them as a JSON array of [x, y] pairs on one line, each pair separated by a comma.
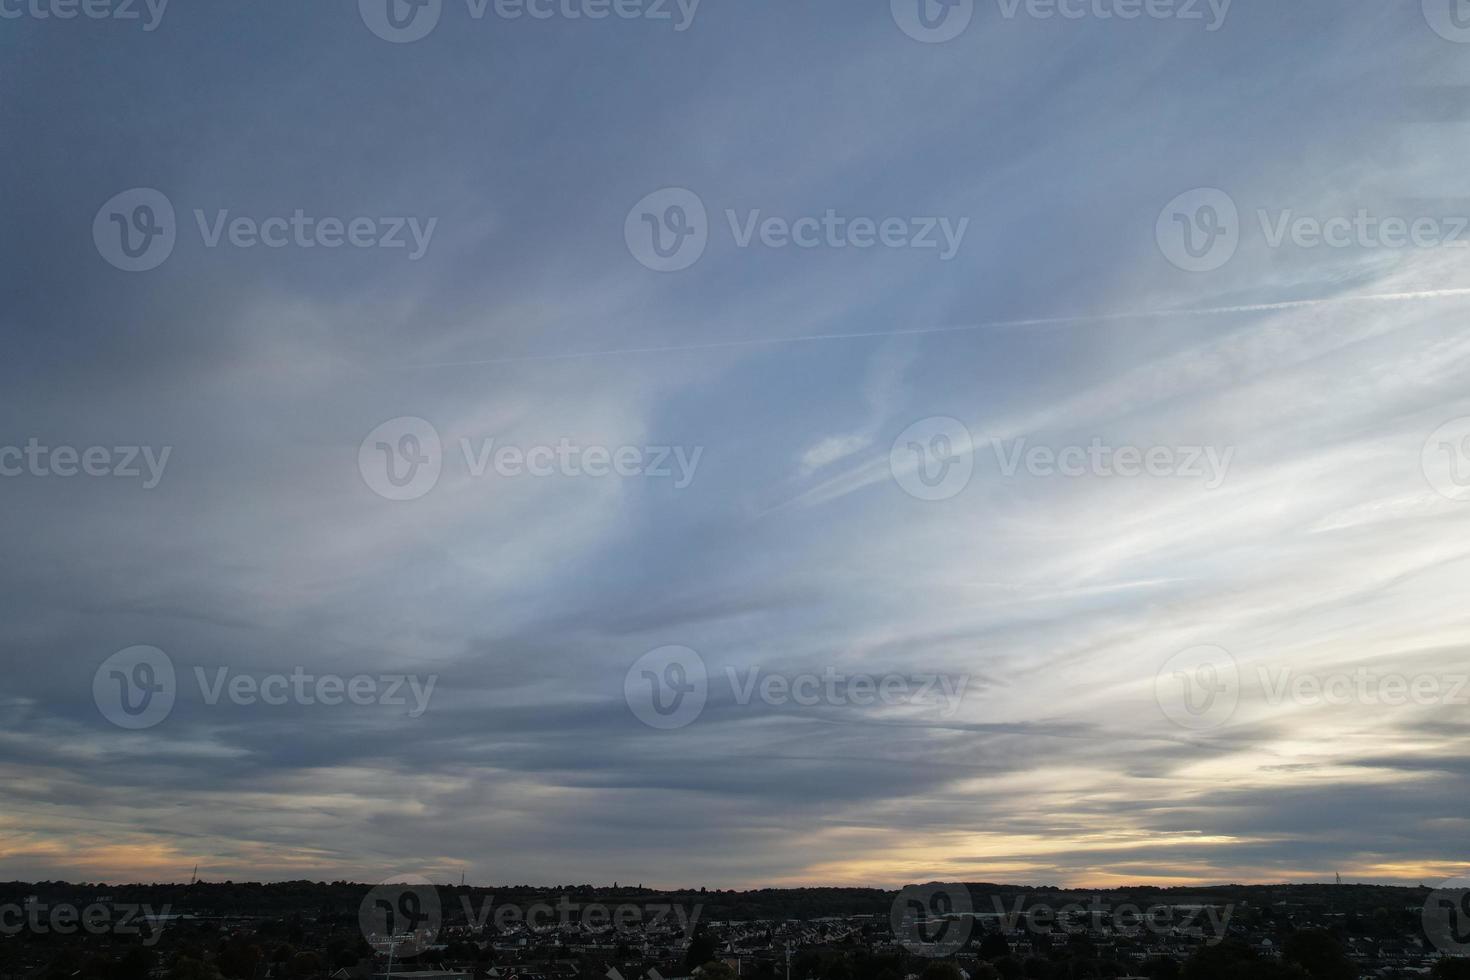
[[1039, 499]]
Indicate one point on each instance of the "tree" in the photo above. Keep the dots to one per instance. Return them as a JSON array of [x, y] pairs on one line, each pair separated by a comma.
[[1009, 967], [188, 968], [1160, 968], [238, 959], [994, 946], [1278, 971], [1319, 954], [66, 963], [701, 950], [305, 964], [135, 964], [941, 970], [837, 968], [1226, 961]]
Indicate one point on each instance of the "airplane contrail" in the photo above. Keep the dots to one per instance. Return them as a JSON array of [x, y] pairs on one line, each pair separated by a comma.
[[1423, 294]]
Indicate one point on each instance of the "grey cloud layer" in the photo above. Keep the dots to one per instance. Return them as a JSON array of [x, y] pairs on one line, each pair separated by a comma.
[[262, 549]]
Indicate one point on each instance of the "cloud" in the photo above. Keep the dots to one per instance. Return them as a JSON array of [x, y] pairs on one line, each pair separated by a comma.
[[794, 550]]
